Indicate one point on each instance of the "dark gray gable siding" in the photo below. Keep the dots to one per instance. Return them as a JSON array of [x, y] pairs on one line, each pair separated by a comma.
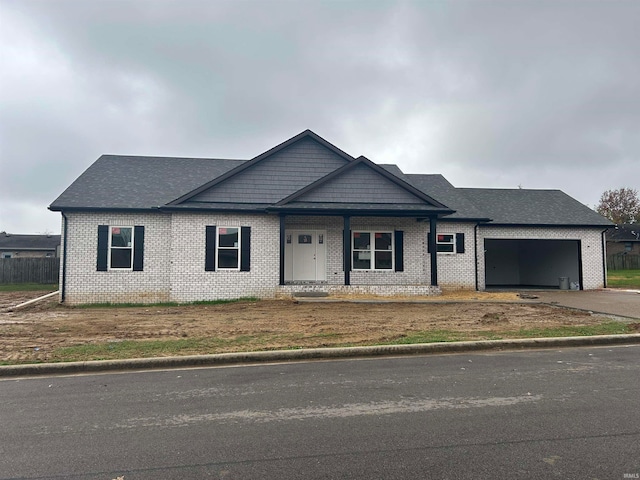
[[360, 185], [277, 176]]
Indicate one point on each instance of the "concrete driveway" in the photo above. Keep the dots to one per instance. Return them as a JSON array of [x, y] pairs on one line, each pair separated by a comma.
[[609, 301]]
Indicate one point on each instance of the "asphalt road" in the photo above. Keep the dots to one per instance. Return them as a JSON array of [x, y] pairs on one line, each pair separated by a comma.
[[535, 414]]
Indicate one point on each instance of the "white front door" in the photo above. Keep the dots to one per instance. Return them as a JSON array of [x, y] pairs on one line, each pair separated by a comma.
[[305, 255]]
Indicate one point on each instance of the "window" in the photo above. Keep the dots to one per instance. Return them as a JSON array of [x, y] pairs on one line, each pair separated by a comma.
[[373, 250], [227, 248], [121, 247], [7, 254], [446, 243], [228, 254]]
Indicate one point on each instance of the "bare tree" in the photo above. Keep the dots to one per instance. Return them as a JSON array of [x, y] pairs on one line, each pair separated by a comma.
[[620, 206]]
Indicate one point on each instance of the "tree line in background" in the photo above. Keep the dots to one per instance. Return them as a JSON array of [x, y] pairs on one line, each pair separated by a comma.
[[620, 206]]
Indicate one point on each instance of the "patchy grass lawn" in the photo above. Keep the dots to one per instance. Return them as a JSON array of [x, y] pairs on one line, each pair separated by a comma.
[[28, 287], [624, 279], [48, 332]]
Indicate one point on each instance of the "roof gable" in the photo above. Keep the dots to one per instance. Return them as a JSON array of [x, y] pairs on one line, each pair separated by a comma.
[[361, 182], [274, 174]]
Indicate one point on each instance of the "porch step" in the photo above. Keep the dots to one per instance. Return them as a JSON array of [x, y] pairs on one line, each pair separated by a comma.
[[310, 294]]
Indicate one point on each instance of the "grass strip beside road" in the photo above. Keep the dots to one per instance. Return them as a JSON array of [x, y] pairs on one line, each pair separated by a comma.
[[128, 349], [624, 279]]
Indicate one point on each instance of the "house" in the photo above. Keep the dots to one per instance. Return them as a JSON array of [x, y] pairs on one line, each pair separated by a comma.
[[623, 247], [29, 246], [624, 239], [307, 216]]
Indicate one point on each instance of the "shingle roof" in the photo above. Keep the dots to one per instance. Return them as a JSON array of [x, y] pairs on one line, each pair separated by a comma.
[[28, 242], [131, 182], [439, 187], [508, 206], [624, 233], [532, 207]]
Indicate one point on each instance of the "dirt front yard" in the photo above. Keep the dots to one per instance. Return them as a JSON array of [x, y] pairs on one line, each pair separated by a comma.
[[50, 332]]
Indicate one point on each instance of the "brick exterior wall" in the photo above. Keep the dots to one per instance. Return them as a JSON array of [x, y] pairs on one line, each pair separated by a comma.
[[84, 284], [174, 257], [189, 280], [455, 270], [620, 247]]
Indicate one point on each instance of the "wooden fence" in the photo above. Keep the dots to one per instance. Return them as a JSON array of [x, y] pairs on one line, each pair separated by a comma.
[[623, 262], [29, 270]]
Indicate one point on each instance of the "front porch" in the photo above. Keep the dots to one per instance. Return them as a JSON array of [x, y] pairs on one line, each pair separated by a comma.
[[341, 255]]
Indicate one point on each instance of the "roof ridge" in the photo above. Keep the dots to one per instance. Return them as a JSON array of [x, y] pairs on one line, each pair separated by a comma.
[[513, 189], [167, 157]]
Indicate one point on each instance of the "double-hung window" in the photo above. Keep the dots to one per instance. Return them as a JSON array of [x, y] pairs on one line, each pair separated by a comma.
[[372, 250], [227, 248], [121, 248], [228, 254]]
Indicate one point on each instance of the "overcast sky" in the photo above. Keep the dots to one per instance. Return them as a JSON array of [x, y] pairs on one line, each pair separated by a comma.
[[538, 94]]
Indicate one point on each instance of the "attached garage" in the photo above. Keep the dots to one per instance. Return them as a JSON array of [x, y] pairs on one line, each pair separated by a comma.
[[531, 263]]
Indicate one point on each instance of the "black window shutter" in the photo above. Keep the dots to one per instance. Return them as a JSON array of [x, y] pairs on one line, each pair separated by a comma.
[[460, 242], [138, 248], [399, 254], [103, 247], [428, 242], [210, 248], [245, 247]]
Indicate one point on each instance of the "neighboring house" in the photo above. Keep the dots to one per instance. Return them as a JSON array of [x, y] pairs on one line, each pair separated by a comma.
[[623, 247], [306, 216], [29, 246], [624, 240]]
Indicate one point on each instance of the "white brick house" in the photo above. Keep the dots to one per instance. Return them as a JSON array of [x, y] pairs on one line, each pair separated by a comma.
[[307, 216]]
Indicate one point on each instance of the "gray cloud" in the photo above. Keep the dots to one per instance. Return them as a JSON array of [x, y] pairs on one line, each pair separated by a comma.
[[490, 93]]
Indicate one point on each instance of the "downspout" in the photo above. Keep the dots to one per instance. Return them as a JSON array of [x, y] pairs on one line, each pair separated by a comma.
[[604, 257], [282, 240], [346, 249], [475, 248], [434, 250], [63, 287]]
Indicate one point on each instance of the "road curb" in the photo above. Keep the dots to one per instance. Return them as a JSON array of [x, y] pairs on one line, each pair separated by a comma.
[[312, 354]]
